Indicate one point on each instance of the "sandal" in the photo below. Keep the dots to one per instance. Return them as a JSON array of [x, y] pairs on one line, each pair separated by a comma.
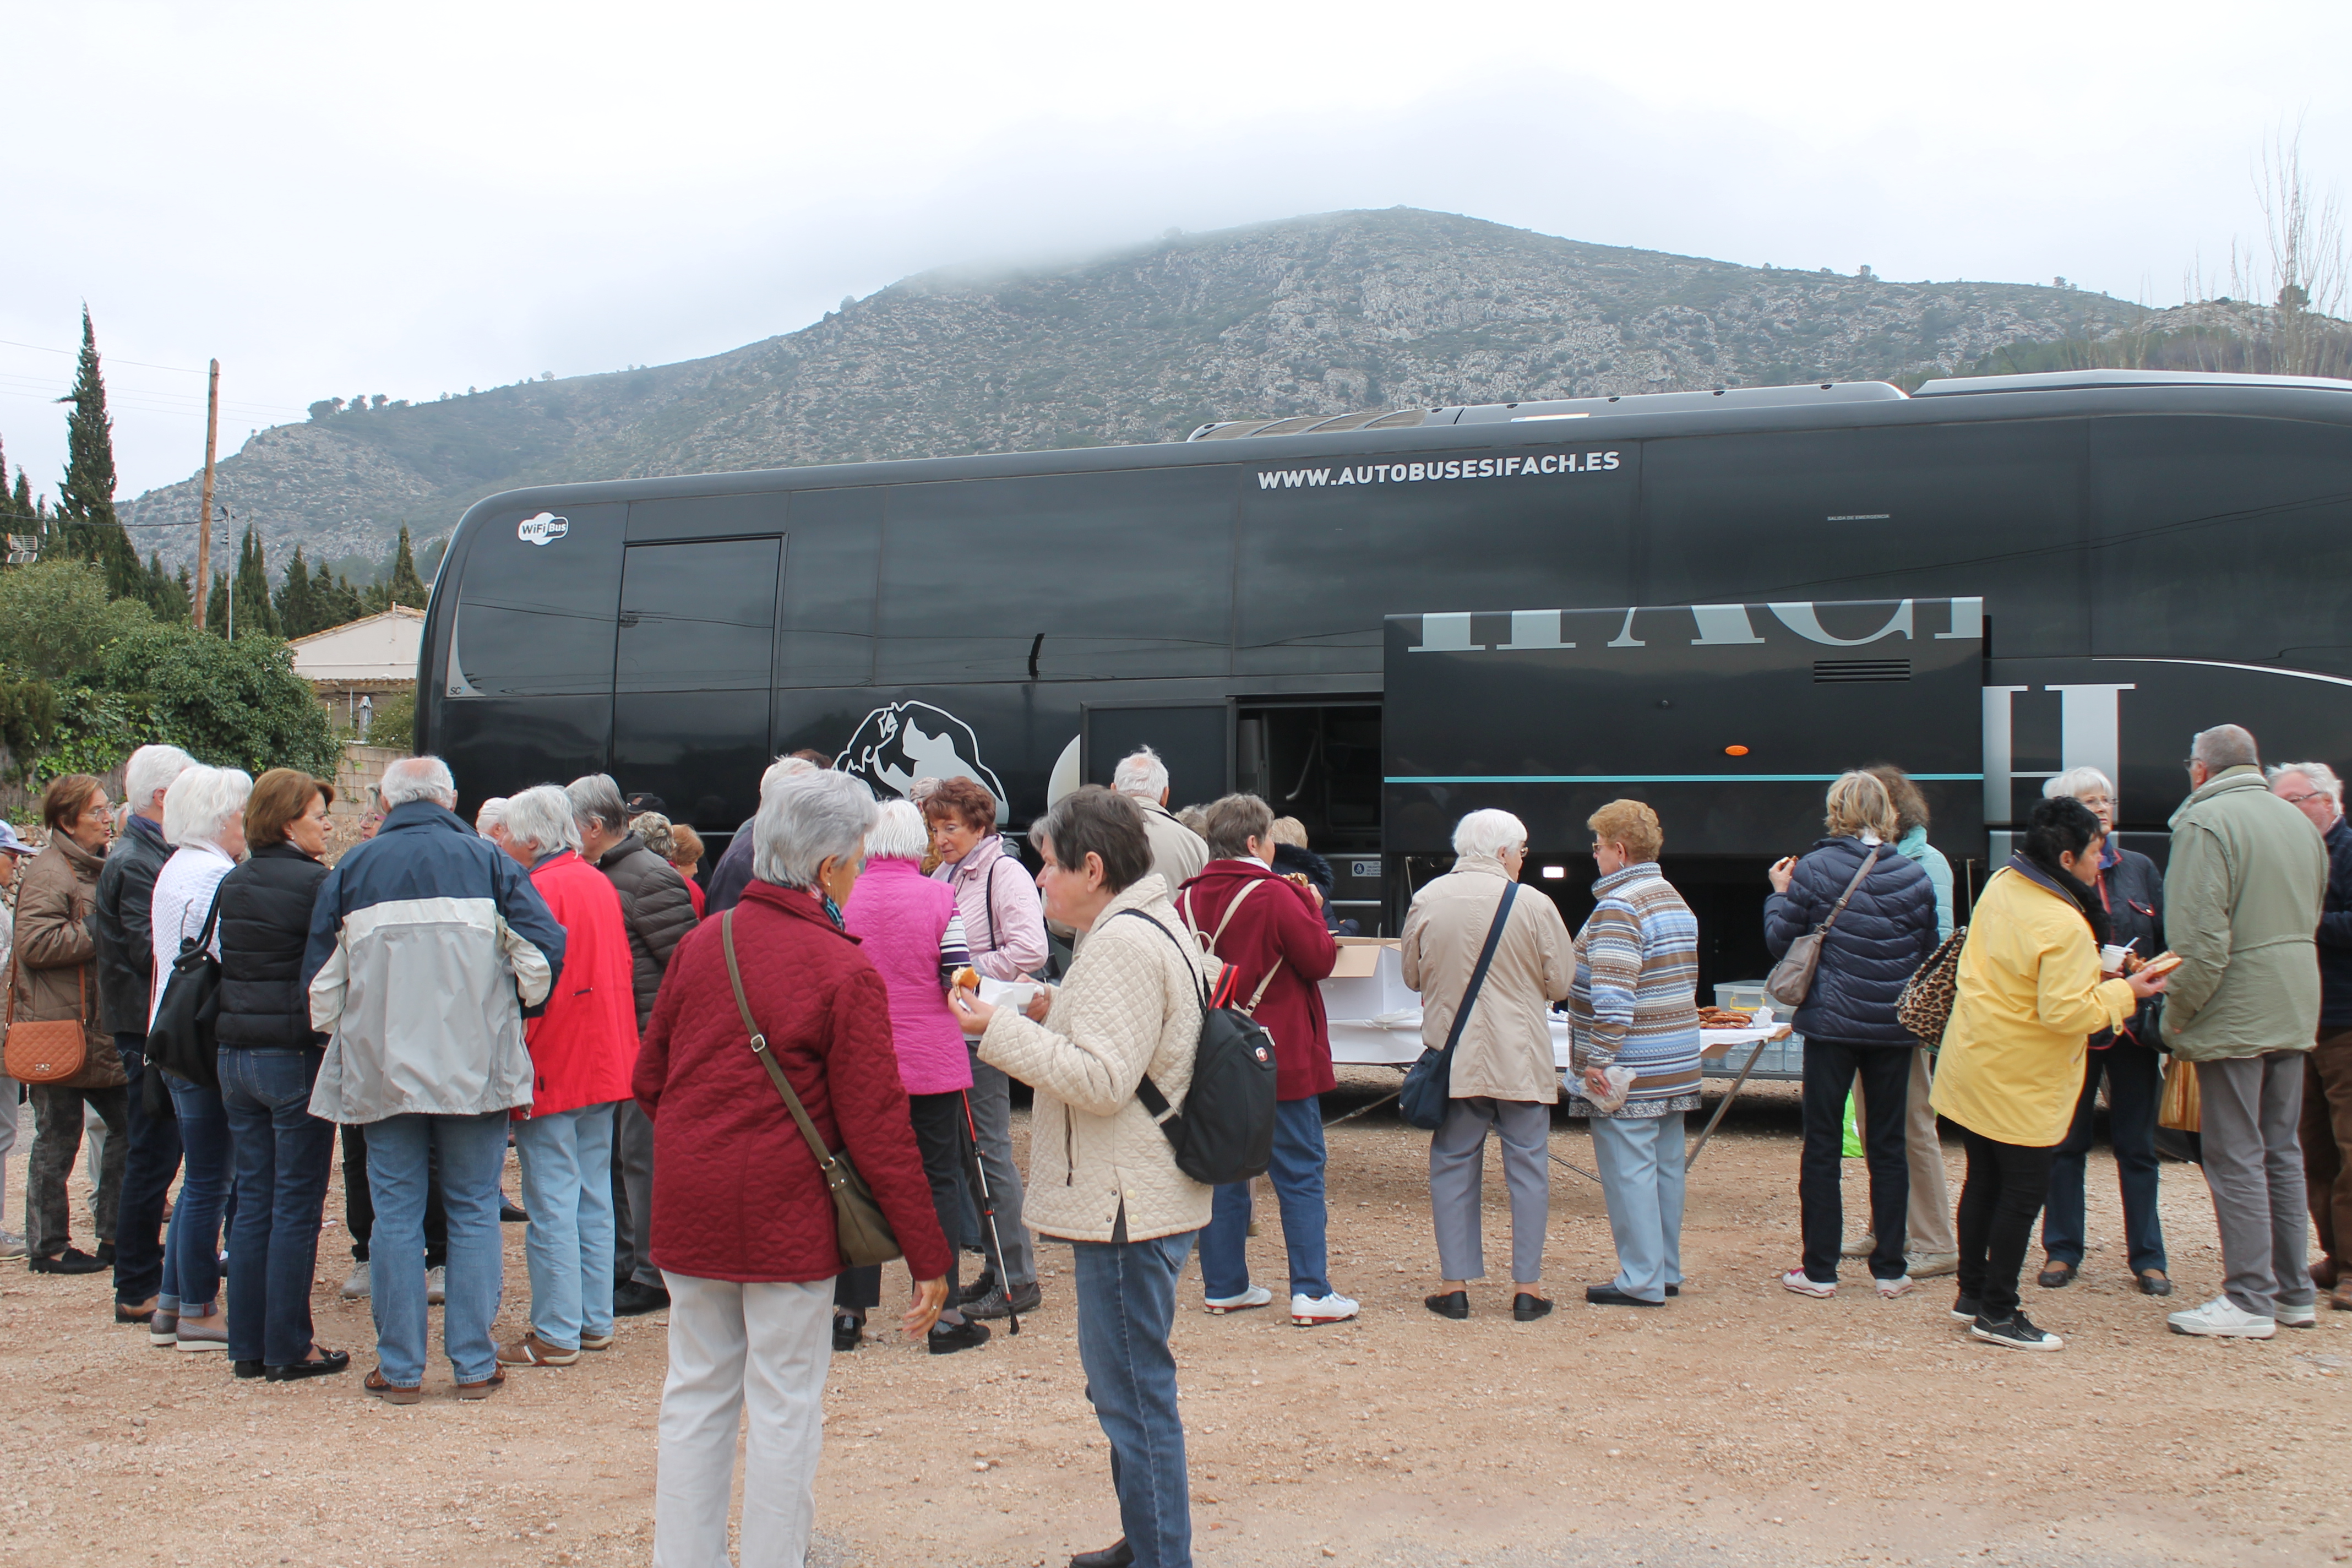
[[390, 1392], [2054, 1275]]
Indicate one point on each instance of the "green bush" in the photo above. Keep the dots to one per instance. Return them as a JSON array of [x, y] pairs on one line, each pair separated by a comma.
[[235, 704], [396, 721]]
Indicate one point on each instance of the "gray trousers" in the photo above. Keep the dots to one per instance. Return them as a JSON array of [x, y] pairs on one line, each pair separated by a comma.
[[2249, 1107], [1457, 1170], [633, 1196], [12, 1115], [57, 1139], [991, 1115]]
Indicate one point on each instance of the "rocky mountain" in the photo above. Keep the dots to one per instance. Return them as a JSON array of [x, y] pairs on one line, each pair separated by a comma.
[[1322, 314]]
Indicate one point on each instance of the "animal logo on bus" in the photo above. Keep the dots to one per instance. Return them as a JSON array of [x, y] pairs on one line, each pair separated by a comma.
[[897, 745]]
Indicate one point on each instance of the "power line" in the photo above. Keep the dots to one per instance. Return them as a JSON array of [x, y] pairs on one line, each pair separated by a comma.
[[107, 359]]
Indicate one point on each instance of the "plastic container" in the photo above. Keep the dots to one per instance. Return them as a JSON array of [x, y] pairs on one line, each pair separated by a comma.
[[1740, 996]]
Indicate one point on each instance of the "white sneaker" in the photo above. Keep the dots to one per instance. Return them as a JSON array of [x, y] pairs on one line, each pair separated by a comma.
[[1255, 1296], [1901, 1285], [11, 1244], [1306, 1312], [2222, 1318], [2304, 1316], [1932, 1265], [1804, 1285], [355, 1289], [437, 1287]]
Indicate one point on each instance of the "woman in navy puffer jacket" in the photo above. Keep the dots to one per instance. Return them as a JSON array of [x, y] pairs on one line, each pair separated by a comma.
[[1886, 931]]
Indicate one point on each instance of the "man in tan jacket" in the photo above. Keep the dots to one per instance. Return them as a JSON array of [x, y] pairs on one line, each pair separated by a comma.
[[1177, 852], [1504, 1074]]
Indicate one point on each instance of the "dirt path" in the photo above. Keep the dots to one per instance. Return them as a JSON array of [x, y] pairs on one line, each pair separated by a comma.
[[1739, 1424]]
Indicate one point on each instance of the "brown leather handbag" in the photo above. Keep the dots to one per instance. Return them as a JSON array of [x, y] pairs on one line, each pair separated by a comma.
[[51, 1051]]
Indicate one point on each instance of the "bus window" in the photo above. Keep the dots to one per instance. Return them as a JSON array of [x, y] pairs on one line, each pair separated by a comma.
[[697, 616], [1124, 573], [831, 557], [535, 605]]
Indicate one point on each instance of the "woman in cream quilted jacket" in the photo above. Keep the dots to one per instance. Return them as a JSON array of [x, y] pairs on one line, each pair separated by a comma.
[[1101, 1174]]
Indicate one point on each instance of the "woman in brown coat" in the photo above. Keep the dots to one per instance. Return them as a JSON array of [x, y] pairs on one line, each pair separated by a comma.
[[56, 977]]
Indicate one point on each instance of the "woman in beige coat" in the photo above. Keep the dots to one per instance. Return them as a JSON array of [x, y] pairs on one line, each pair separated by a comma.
[[1504, 1077], [1101, 1173], [56, 977]]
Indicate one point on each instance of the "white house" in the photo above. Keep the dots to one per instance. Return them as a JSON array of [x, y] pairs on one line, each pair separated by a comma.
[[367, 658]]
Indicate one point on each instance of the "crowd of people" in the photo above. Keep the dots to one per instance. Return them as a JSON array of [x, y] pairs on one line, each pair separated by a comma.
[[685, 1074]]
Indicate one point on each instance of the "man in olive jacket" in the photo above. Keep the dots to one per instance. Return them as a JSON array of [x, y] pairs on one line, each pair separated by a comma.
[[2242, 896], [658, 912]]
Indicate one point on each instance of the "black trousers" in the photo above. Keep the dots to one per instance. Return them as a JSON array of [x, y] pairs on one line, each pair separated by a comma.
[[149, 1168], [1998, 1205], [1830, 1069], [944, 1142], [358, 1208]]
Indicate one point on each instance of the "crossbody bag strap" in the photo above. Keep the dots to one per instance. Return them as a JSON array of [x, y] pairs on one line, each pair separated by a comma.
[[1838, 908], [212, 918], [767, 1059], [1257, 995], [988, 896], [1155, 1102], [1485, 960]]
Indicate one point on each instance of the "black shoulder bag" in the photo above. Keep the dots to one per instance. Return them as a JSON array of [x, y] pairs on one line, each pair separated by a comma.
[[182, 1041], [1429, 1087]]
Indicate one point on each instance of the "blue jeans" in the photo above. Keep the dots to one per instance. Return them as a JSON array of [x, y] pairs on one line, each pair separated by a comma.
[[192, 1243], [472, 1152], [150, 1165], [567, 1185], [1296, 1171], [2134, 1087], [1641, 1161], [283, 1154], [1126, 1305]]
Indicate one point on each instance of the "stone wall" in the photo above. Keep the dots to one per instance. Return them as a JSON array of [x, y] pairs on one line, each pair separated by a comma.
[[357, 773]]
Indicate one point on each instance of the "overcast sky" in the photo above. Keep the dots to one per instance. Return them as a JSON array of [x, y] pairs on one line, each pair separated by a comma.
[[416, 198]]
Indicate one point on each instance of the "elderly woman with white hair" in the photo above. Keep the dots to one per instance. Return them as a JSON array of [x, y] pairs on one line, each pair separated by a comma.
[[1489, 966], [203, 821], [2131, 891], [771, 1001]]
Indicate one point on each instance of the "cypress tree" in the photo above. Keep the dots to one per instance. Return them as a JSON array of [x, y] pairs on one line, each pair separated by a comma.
[[217, 606], [166, 596], [296, 611], [406, 586], [86, 500], [254, 613]]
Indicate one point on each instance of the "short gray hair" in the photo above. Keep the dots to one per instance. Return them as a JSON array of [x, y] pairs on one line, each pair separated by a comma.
[[201, 802], [1230, 823], [1488, 833], [784, 768], [417, 778], [898, 834], [2076, 783], [493, 813], [805, 821], [1143, 776], [2225, 746], [596, 799], [544, 818], [152, 768], [2323, 777]]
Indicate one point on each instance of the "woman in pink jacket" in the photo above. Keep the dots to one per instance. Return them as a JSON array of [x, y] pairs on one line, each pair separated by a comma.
[[910, 931], [582, 1050]]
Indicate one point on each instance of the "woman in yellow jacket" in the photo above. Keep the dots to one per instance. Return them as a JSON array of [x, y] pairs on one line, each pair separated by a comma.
[[2030, 996]]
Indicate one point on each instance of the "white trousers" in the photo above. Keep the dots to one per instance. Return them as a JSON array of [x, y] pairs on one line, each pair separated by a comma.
[[733, 1348]]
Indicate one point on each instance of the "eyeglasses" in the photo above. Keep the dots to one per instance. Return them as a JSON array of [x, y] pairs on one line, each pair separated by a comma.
[[2308, 794], [2095, 799]]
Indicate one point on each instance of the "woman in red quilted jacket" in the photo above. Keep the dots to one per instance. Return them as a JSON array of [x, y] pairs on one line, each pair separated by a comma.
[[743, 1225]]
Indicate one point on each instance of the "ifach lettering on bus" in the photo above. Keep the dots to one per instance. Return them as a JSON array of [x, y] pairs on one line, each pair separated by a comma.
[[1527, 468]]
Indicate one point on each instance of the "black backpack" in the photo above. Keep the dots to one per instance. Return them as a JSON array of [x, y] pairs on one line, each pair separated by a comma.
[[182, 1043], [1225, 1132]]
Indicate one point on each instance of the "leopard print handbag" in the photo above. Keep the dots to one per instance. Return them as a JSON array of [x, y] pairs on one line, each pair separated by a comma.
[[1925, 1006]]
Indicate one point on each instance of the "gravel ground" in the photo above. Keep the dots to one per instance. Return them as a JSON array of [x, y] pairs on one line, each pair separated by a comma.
[[1740, 1425]]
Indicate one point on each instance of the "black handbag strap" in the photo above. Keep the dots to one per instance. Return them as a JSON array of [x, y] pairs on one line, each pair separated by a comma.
[[824, 1157], [203, 939], [1478, 975], [1838, 908]]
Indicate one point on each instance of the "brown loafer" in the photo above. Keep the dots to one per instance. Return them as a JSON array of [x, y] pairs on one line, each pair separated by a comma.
[[2340, 1300], [390, 1392], [485, 1388], [2055, 1276]]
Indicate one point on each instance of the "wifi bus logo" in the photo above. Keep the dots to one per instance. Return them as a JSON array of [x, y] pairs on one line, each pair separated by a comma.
[[544, 529]]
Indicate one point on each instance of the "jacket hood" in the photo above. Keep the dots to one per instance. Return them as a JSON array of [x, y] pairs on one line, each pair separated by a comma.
[[2243, 776], [84, 863], [413, 815]]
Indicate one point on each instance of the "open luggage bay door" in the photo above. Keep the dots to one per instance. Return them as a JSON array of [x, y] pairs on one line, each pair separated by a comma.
[[1729, 719]]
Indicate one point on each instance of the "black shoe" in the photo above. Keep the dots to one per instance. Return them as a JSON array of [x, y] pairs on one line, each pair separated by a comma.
[[848, 1331], [2154, 1283], [1967, 1309], [996, 1304], [510, 1214], [2018, 1334], [328, 1363], [106, 1253], [978, 1290], [1118, 1554], [634, 1301], [2057, 1276], [1674, 1290], [946, 1339], [72, 1260], [1609, 1296], [1527, 1308], [247, 1368], [128, 1314], [1454, 1304]]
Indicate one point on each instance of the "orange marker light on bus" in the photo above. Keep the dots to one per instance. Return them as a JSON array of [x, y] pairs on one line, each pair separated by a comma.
[[1735, 750]]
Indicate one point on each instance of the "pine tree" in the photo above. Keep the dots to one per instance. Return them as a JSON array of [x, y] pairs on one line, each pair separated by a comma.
[[166, 596], [86, 500], [337, 601]]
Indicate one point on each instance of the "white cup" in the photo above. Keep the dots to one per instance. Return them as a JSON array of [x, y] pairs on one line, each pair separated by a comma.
[[2111, 959]]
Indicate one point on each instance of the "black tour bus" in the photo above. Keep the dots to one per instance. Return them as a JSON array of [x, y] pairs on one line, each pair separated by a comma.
[[1715, 601]]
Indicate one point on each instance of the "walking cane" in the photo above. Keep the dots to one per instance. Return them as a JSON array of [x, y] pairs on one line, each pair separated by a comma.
[[988, 1211]]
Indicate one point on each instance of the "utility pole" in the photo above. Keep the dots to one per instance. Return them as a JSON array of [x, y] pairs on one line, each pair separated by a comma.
[[205, 515]]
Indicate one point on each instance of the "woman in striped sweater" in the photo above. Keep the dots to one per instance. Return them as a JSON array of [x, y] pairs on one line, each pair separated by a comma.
[[1635, 1006]]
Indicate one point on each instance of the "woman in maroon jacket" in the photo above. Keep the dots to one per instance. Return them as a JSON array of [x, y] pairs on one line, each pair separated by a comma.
[[1271, 930], [742, 1224]]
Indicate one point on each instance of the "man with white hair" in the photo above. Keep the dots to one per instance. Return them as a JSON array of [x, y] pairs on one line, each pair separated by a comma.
[[428, 946], [126, 893], [2314, 789], [733, 872], [2244, 892], [1177, 852]]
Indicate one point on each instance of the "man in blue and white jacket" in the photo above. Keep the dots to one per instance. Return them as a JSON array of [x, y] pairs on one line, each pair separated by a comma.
[[428, 947]]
